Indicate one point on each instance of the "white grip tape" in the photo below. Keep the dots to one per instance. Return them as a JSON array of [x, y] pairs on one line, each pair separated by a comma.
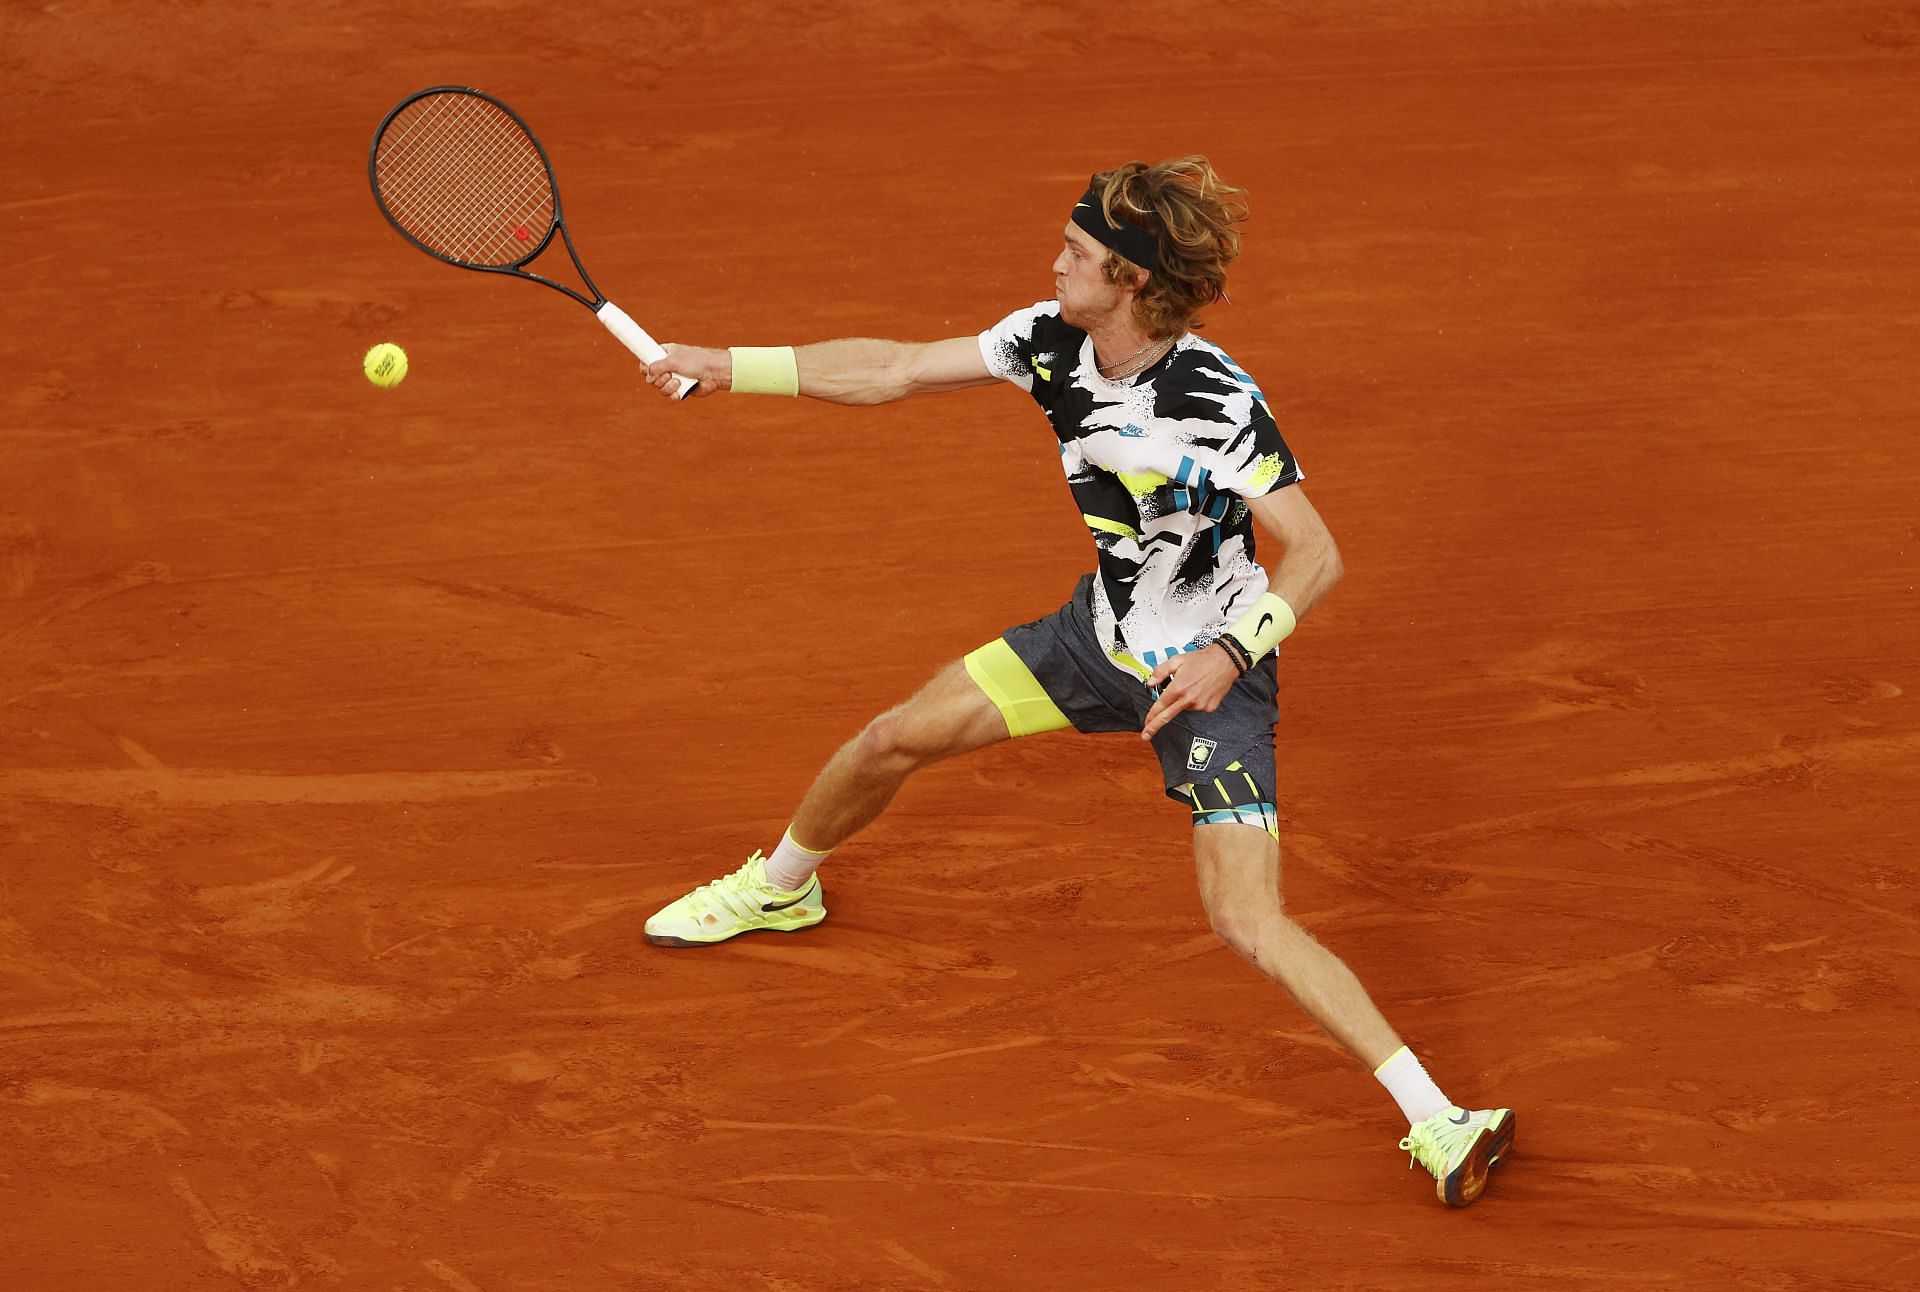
[[635, 338]]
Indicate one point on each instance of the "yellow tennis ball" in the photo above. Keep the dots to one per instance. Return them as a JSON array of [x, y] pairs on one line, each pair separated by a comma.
[[385, 365]]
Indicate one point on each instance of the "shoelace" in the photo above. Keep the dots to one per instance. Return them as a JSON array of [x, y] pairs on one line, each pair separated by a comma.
[[730, 891], [1428, 1148]]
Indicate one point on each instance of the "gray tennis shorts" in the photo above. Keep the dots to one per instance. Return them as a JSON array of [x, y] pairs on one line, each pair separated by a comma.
[[1065, 658]]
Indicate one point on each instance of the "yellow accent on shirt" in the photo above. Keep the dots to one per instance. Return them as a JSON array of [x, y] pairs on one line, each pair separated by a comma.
[[1271, 468], [1110, 526]]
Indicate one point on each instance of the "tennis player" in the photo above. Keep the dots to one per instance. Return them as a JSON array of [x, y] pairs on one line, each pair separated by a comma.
[[1172, 454]]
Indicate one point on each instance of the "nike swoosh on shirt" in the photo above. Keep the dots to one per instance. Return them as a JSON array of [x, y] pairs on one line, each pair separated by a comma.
[[1046, 374]]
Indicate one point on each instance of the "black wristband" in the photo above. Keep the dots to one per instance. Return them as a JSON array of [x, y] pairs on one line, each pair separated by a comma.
[[1242, 660]]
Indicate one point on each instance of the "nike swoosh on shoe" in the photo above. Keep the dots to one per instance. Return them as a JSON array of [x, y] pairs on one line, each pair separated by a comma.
[[781, 906]]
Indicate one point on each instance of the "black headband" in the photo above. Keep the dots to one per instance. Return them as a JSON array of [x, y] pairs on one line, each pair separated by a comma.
[[1130, 240]]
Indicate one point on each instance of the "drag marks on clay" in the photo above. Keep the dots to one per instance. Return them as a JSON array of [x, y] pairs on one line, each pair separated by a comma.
[[884, 958], [1576, 981], [234, 1243], [1353, 864], [19, 957], [899, 1133], [1663, 1193], [1121, 972], [1750, 870], [83, 1125], [607, 908], [833, 1034], [894, 1180], [1566, 813], [472, 1174], [907, 1260], [1881, 754], [1895, 30], [516, 597], [91, 196], [1018, 1043], [91, 592], [22, 548], [450, 1276], [1531, 878], [1728, 968], [1305, 1123], [1566, 1049], [944, 1056], [1486, 1271], [271, 905], [203, 788], [308, 1004]]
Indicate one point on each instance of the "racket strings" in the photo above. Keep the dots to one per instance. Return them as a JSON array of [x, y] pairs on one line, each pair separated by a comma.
[[462, 177], [471, 176], [468, 178]]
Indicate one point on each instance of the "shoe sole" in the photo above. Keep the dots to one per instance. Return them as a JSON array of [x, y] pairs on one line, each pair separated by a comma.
[[668, 940], [1466, 1182]]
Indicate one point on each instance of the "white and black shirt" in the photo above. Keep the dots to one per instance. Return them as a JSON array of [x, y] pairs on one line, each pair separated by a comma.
[[1160, 465]]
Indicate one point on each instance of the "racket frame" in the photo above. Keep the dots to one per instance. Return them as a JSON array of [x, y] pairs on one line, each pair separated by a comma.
[[609, 314]]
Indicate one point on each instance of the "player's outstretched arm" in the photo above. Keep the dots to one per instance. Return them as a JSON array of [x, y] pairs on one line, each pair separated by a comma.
[[854, 371]]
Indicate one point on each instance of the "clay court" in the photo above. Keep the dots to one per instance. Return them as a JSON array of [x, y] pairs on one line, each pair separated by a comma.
[[347, 737]]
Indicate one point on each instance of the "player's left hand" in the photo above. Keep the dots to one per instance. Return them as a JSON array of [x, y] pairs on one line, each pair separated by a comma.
[[1198, 681]]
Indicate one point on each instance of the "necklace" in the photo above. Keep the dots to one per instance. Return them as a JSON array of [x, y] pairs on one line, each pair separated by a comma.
[[1133, 363]]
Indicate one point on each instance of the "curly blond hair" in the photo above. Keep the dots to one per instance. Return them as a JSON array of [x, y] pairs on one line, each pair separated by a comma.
[[1192, 214]]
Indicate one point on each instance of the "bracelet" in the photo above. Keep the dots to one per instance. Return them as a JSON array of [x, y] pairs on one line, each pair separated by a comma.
[[1263, 627], [1235, 652], [764, 370]]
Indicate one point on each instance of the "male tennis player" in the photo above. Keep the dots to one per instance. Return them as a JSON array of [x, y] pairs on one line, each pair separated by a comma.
[[1171, 453]]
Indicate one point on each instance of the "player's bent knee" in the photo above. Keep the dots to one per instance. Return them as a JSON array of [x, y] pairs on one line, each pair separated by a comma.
[[935, 724], [885, 743], [1238, 934]]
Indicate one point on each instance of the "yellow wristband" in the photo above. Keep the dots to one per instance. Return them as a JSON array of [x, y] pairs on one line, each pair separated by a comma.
[[764, 370], [1265, 626]]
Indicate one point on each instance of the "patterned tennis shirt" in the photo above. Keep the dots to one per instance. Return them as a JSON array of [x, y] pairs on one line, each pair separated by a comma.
[[1161, 465]]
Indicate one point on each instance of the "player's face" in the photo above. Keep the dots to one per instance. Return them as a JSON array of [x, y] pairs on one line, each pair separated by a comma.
[[1086, 297]]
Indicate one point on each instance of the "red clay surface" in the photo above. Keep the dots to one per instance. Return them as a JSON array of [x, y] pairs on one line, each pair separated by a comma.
[[346, 738]]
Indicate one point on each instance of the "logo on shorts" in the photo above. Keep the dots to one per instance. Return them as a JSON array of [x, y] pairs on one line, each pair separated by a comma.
[[1200, 754]]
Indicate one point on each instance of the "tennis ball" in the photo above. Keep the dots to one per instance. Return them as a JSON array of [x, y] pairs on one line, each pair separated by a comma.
[[385, 365]]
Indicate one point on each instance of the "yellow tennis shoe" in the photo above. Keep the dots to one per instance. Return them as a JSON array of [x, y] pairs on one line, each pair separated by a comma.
[[1457, 1147], [736, 903]]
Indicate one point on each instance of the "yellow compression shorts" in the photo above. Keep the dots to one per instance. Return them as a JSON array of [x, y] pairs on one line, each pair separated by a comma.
[[1010, 684]]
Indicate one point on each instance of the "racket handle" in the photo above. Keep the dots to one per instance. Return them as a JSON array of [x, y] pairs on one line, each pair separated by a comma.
[[635, 338]]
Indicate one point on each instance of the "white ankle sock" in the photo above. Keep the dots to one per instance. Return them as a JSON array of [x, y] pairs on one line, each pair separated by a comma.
[[1411, 1087], [791, 866]]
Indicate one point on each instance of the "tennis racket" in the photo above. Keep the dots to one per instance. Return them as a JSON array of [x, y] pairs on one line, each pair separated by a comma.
[[461, 177]]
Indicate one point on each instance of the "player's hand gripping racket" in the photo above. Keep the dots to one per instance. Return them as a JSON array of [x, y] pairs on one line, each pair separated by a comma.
[[463, 179]]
